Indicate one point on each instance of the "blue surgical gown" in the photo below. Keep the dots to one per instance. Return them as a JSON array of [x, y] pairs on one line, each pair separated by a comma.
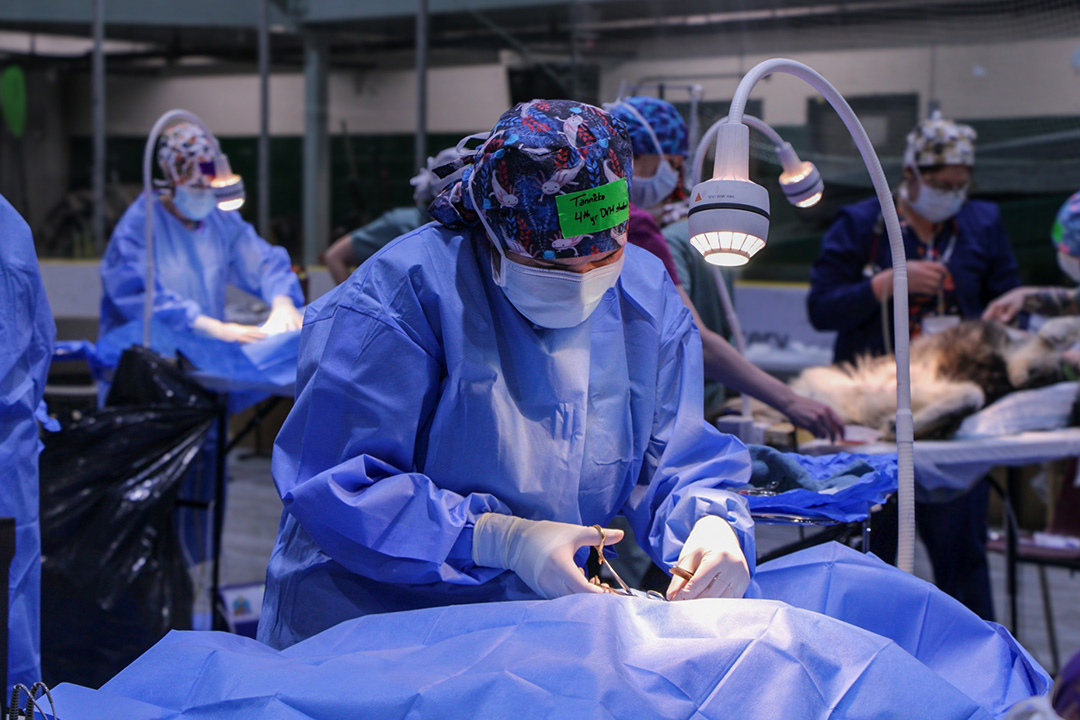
[[192, 267], [425, 399], [26, 324]]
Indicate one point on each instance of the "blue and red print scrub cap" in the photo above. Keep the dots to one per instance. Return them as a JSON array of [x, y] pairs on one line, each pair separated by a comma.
[[552, 180]]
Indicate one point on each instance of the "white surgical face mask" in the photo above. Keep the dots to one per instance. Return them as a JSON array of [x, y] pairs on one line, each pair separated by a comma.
[[549, 298], [933, 204], [194, 203], [649, 192], [555, 298], [1069, 265]]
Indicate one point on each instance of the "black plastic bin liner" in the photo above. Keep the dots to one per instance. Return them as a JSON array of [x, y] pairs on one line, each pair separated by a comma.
[[113, 576]]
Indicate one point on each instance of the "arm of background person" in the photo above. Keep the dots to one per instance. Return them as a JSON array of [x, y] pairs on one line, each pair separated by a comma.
[[724, 364], [340, 257]]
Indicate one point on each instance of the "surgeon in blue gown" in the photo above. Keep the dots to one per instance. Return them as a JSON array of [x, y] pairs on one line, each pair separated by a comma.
[[485, 390], [29, 332], [199, 250]]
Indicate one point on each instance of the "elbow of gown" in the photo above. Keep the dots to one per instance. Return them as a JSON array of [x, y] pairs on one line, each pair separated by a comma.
[[391, 526]]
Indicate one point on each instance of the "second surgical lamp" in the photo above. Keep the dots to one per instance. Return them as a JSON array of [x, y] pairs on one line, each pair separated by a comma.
[[227, 186], [729, 223]]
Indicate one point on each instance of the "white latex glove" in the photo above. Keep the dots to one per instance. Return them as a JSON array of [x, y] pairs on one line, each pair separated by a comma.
[[540, 552], [229, 332], [713, 554], [283, 317]]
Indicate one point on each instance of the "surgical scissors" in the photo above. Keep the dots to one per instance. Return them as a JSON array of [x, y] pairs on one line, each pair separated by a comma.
[[625, 589]]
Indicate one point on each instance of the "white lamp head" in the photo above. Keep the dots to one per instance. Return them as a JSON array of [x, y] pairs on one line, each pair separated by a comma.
[[729, 214], [228, 187], [729, 220], [800, 181]]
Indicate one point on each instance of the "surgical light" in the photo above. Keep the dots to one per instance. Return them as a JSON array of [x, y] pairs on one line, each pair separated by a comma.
[[800, 181], [228, 187], [802, 184], [729, 207], [729, 214]]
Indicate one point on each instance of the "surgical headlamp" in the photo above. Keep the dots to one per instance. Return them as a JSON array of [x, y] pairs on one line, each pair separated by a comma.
[[228, 187]]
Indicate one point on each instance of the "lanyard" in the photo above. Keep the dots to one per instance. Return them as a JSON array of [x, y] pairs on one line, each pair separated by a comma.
[[879, 232], [947, 255]]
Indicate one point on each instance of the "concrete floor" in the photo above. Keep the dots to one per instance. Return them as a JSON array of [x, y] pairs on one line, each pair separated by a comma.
[[254, 509]]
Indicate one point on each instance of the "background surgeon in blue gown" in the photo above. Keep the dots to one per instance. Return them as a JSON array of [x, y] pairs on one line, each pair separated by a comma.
[[26, 324], [484, 390], [198, 250]]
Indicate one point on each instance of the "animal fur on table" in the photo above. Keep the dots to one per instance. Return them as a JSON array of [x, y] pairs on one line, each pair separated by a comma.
[[953, 374]]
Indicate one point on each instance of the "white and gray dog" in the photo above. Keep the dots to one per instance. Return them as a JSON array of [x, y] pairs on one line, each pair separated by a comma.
[[953, 374]]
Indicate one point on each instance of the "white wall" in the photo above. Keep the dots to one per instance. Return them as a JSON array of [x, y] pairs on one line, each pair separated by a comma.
[[1000, 80], [460, 99]]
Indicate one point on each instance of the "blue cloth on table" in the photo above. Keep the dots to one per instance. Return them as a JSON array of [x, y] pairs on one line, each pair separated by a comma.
[[270, 362], [26, 324], [905, 650], [840, 487]]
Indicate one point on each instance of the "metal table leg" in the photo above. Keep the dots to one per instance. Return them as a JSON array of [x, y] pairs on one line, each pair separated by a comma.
[[1011, 530], [216, 613], [7, 554]]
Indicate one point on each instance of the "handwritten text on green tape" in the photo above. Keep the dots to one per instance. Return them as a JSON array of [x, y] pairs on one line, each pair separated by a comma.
[[593, 210]]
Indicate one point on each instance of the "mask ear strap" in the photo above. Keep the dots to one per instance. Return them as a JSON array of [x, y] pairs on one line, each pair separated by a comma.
[[492, 238]]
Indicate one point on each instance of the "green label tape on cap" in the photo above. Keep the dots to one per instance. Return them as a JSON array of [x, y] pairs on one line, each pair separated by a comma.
[[593, 210]]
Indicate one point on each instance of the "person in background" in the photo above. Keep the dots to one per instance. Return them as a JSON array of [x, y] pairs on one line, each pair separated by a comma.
[[199, 250], [29, 333], [351, 250], [484, 394], [659, 137], [959, 259]]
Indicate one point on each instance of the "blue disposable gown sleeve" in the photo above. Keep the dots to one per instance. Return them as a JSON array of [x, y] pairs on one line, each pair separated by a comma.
[[688, 465], [123, 275], [344, 459], [841, 297], [262, 269]]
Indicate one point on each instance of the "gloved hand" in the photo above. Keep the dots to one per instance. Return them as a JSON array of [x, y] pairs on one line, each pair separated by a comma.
[[540, 552], [229, 332], [283, 317], [715, 561]]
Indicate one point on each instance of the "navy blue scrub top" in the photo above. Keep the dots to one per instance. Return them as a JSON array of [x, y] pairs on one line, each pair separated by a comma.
[[981, 265]]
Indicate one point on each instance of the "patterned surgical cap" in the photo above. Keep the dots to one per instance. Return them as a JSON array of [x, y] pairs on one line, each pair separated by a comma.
[[938, 141], [538, 151]]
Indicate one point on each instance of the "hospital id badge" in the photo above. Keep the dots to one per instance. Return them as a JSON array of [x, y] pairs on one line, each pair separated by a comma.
[[934, 324]]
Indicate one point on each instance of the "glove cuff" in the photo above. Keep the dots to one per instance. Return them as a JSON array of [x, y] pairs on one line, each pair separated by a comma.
[[491, 540]]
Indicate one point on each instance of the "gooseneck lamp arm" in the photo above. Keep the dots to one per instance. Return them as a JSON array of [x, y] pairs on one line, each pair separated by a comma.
[[905, 444], [230, 196]]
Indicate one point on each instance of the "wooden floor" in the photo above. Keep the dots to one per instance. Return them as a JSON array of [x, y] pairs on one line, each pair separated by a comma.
[[254, 509]]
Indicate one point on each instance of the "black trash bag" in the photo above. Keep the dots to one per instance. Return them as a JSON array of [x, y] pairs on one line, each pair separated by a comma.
[[113, 576]]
